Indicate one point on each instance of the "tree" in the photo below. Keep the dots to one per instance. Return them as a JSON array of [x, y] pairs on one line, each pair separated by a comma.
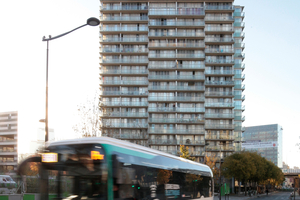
[[185, 153], [211, 162], [88, 124]]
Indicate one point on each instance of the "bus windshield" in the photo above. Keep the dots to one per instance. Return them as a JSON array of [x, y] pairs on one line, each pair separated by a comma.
[[76, 171]]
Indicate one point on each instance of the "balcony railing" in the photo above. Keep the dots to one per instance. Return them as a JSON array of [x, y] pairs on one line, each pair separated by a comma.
[[217, 148], [238, 34], [188, 55], [123, 71], [219, 126], [175, 34], [176, 120], [126, 136], [125, 50], [218, 39], [239, 96], [197, 153], [239, 128], [112, 29], [175, 98], [219, 83], [221, 29], [176, 23], [216, 94], [119, 7], [220, 7], [173, 55], [211, 72], [239, 24], [219, 50], [124, 114], [175, 109], [175, 66], [219, 115], [123, 82], [239, 86], [174, 87], [110, 92], [239, 55], [222, 19], [176, 131], [180, 11], [239, 107], [125, 125], [219, 137], [124, 60], [125, 103], [239, 76], [223, 105], [239, 66], [177, 142], [120, 18], [239, 45], [238, 14], [185, 45], [135, 39], [239, 118], [219, 61], [177, 77]]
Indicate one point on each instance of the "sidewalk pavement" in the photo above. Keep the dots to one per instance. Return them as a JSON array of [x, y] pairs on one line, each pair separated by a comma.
[[243, 197]]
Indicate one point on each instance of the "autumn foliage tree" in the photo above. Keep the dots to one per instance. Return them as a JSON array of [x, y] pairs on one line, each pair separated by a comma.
[[211, 162], [184, 151]]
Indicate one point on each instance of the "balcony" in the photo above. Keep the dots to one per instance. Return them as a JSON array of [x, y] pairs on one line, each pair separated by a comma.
[[110, 93], [175, 109], [218, 148], [239, 45], [8, 162], [124, 29], [127, 136], [197, 153], [126, 61], [218, 94], [176, 34], [239, 128], [239, 97], [239, 118], [239, 55], [238, 14], [176, 87], [123, 82], [239, 76], [219, 40], [175, 98], [219, 83], [119, 7], [120, 18], [176, 23], [239, 34], [176, 120], [129, 93], [174, 45], [176, 142], [125, 114], [125, 103], [219, 29], [123, 39], [219, 137], [239, 24], [239, 66], [180, 11], [125, 50], [176, 66], [219, 19], [8, 142], [239, 87], [220, 105], [188, 55], [219, 61], [162, 55], [176, 77], [8, 153], [176, 131], [124, 125], [209, 51], [219, 72], [219, 8], [123, 71], [218, 115], [239, 107]]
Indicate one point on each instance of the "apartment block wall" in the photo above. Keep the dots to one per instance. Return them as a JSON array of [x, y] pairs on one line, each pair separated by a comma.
[[8, 141], [171, 74]]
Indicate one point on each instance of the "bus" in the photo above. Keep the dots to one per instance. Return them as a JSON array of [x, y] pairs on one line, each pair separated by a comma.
[[107, 168]]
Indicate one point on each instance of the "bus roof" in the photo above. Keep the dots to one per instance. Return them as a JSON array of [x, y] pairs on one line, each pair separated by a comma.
[[127, 145]]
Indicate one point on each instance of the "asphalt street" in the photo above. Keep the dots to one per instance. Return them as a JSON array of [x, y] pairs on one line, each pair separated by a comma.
[[272, 196]]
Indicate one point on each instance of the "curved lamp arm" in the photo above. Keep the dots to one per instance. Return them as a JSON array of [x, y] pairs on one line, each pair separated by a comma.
[[52, 38]]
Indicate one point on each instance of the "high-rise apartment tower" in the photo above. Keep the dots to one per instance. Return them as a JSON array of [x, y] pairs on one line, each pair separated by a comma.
[[171, 74]]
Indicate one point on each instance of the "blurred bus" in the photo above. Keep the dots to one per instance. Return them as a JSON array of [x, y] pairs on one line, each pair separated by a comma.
[[106, 168]]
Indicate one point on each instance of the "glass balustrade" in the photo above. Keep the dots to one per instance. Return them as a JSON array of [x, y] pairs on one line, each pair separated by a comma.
[[125, 114], [219, 50], [239, 86], [219, 72], [216, 39], [178, 77], [220, 7], [219, 126], [119, 7], [178, 131], [211, 18], [175, 98], [219, 115], [218, 104], [124, 50], [210, 93], [124, 60], [219, 61], [174, 87], [120, 18], [123, 82], [219, 82], [176, 120], [175, 109], [124, 125], [125, 103]]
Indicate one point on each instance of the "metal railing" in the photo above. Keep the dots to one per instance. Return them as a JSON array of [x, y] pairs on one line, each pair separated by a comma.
[[176, 87], [177, 131], [219, 104], [175, 98], [175, 120], [124, 114], [123, 82], [124, 125], [175, 109], [219, 83], [120, 18], [178, 77], [124, 60], [210, 93], [219, 126], [219, 137], [124, 50], [219, 115], [125, 103], [119, 39], [119, 7], [123, 71], [124, 29]]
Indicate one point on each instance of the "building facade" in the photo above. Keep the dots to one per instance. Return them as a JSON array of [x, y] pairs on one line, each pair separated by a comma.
[[8, 141], [266, 140], [171, 74]]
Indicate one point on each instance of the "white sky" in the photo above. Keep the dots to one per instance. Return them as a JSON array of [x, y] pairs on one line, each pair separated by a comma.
[[272, 47]]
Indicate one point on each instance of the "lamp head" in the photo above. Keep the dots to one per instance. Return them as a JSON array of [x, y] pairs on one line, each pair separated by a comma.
[[93, 21]]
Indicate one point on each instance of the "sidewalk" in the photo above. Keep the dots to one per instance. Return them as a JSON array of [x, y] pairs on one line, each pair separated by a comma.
[[243, 197]]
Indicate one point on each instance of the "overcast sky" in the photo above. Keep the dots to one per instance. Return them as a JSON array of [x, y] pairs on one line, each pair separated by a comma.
[[272, 71]]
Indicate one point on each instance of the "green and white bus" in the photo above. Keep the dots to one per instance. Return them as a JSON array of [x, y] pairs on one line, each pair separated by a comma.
[[106, 169]]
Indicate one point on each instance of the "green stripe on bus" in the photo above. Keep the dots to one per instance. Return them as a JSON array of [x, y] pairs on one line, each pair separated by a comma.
[[3, 197], [28, 197]]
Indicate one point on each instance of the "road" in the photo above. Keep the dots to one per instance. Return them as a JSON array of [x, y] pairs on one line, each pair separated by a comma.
[[272, 196]]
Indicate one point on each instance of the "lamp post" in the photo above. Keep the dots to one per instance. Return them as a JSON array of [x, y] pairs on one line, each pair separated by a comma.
[[91, 22]]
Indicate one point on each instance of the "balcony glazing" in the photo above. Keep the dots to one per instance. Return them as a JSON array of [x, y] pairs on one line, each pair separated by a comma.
[[175, 66], [124, 60], [219, 137], [239, 66], [180, 11], [175, 109], [124, 125], [219, 115], [176, 23], [125, 103], [231, 51], [174, 98], [124, 114], [224, 83], [176, 34], [217, 148], [218, 94], [221, 19], [239, 96], [121, 18], [126, 136], [219, 104], [176, 120], [174, 87], [239, 45], [239, 55], [221, 72], [239, 118], [176, 131], [220, 7], [117, 29], [123, 71], [122, 39], [239, 76], [176, 77], [176, 142], [239, 34], [239, 24], [216, 39], [239, 86], [219, 61], [125, 50], [185, 45], [123, 82], [119, 7], [238, 14]]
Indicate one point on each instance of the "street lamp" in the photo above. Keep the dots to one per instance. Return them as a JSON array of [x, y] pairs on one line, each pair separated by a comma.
[[91, 22]]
